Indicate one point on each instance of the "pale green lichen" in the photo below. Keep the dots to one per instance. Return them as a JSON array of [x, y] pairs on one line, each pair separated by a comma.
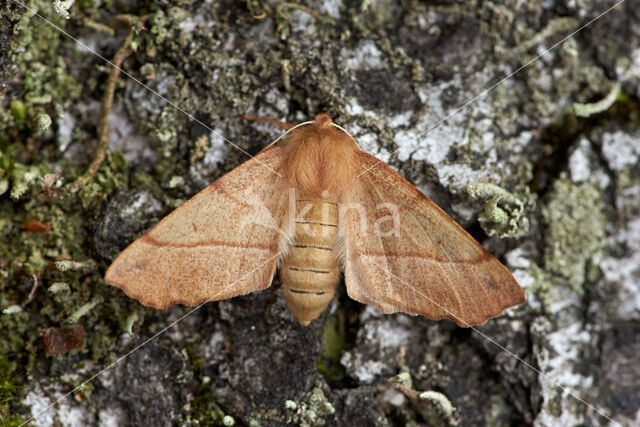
[[62, 6], [290, 405], [83, 310], [69, 265], [440, 402], [575, 230], [403, 378], [4, 186], [43, 122], [504, 213], [22, 178], [493, 213], [58, 287], [434, 407], [129, 322], [312, 410], [176, 182], [555, 26], [586, 110], [12, 309]]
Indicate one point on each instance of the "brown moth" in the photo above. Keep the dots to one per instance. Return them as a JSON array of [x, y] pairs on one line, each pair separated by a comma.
[[314, 205]]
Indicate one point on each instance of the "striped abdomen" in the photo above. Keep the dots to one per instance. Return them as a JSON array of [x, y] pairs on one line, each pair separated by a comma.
[[310, 272]]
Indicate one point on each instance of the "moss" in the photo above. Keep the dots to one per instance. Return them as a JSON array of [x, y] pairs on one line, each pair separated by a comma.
[[46, 89], [18, 111], [8, 386], [334, 344], [204, 409], [17, 335], [575, 230], [46, 79]]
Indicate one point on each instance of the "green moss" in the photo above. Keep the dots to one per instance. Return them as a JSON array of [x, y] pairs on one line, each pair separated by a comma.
[[334, 344], [46, 89], [8, 387], [204, 408], [575, 230], [16, 335], [19, 111], [46, 79]]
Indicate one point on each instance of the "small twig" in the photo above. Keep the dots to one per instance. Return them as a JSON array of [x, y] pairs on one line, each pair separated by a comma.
[[290, 5], [264, 11], [107, 100], [268, 120], [131, 20], [98, 26], [107, 103], [34, 288]]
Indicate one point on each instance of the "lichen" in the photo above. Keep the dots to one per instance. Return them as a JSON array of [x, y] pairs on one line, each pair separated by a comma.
[[575, 230], [586, 110], [312, 410], [42, 58], [505, 214]]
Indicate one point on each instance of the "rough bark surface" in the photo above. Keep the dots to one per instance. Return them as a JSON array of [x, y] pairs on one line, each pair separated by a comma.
[[395, 75]]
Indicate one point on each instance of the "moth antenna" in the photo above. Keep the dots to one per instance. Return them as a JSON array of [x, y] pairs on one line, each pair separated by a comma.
[[300, 125], [288, 130], [345, 131]]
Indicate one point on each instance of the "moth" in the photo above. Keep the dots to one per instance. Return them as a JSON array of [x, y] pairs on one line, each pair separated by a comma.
[[315, 205]]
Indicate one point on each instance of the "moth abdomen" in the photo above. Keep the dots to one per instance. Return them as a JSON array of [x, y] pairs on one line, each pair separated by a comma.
[[310, 271]]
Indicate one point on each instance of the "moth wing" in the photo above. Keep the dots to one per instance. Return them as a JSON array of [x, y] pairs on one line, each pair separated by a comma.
[[223, 242], [423, 264]]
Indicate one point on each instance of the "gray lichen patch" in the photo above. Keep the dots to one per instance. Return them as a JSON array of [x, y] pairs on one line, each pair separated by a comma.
[[575, 230], [559, 354], [313, 410], [504, 214]]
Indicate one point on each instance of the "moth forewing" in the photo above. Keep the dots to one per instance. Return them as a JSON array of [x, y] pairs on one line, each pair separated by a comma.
[[387, 225], [435, 269]]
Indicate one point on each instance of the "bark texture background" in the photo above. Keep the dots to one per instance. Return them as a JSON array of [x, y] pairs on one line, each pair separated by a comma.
[[386, 71]]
